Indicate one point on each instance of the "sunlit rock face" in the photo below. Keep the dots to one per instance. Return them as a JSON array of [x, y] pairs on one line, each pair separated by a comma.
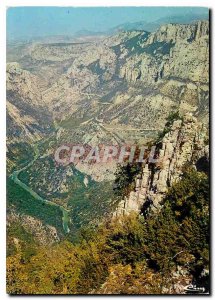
[[185, 143]]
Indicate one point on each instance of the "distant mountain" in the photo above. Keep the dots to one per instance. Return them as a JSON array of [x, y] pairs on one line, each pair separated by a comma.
[[146, 26], [85, 32], [183, 19], [130, 26], [152, 26]]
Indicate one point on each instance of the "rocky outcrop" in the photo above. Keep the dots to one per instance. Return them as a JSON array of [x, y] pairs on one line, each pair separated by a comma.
[[177, 32], [23, 84], [179, 51], [27, 116], [42, 234], [23, 127], [186, 142]]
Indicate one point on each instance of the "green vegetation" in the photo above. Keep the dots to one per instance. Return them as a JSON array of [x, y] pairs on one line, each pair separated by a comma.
[[89, 204], [169, 121], [86, 204], [134, 255], [18, 155], [25, 203], [26, 240], [125, 178]]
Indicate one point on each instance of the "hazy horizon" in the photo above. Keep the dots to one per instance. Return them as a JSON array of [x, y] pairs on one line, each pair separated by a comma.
[[29, 22]]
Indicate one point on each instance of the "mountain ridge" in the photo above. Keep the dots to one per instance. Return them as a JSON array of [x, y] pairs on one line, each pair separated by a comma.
[[117, 90]]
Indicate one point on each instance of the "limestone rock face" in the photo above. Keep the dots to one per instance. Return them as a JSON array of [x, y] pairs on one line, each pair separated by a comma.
[[177, 32], [23, 83], [169, 66], [184, 143], [27, 116], [178, 51]]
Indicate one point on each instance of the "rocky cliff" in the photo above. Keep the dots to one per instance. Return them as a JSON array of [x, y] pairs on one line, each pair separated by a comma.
[[27, 116], [171, 62], [186, 142], [115, 90], [178, 51]]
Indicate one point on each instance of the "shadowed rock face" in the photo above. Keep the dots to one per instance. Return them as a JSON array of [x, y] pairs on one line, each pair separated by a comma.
[[184, 143]]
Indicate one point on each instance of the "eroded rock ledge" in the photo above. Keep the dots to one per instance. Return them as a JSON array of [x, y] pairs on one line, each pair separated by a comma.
[[186, 142]]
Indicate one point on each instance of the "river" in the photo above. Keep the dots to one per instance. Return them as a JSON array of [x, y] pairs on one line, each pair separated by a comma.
[[15, 178]]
